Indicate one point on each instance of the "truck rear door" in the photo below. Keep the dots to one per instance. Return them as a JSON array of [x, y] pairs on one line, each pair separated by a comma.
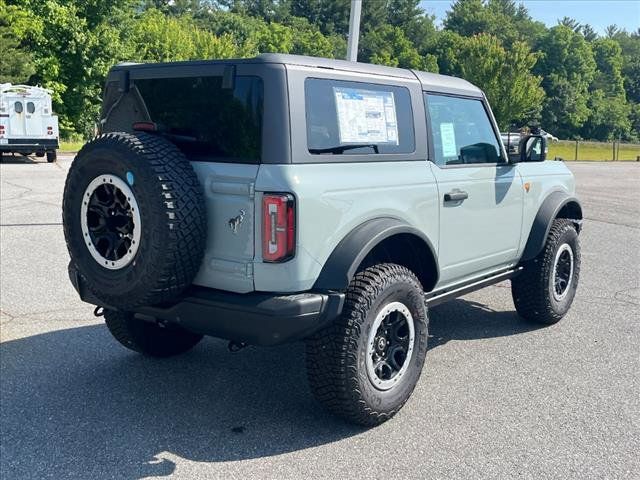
[[33, 118], [216, 121], [17, 126]]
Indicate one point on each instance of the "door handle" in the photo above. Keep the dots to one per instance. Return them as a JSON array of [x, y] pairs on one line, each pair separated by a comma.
[[455, 196]]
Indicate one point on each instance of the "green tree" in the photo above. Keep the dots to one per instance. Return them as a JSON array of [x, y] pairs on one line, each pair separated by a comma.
[[630, 45], [503, 19], [568, 68], [571, 23], [504, 75], [588, 32], [330, 16], [608, 107], [70, 55], [387, 45], [16, 64], [418, 27], [309, 40], [161, 38]]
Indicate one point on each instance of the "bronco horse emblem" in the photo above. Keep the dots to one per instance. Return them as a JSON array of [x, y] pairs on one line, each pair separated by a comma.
[[235, 222]]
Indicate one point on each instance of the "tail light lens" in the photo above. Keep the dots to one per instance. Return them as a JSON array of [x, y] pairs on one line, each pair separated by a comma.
[[278, 227]]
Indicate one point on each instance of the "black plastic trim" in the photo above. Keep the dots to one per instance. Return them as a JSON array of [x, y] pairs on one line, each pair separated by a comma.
[[254, 318], [548, 212], [343, 262], [32, 142], [437, 297]]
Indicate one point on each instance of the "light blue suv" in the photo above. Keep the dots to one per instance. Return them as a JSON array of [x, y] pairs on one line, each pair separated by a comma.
[[282, 198]]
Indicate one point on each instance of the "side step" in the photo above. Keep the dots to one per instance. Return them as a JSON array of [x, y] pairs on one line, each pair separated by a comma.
[[437, 297]]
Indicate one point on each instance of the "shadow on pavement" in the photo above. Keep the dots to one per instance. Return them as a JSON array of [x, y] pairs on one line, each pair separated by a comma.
[[468, 320], [20, 159], [76, 404]]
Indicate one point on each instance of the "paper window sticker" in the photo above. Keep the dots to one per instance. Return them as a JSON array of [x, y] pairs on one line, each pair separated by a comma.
[[448, 139], [365, 116]]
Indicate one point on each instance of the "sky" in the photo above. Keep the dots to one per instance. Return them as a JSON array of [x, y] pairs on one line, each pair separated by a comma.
[[598, 13]]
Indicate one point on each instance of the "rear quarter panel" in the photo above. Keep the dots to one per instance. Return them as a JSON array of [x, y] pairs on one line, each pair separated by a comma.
[[332, 199]]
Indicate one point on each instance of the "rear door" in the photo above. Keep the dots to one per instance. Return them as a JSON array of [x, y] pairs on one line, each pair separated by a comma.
[[33, 117], [216, 121], [480, 194], [16, 117]]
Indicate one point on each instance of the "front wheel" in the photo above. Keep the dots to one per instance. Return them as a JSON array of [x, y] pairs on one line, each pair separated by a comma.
[[544, 291], [366, 364], [149, 338]]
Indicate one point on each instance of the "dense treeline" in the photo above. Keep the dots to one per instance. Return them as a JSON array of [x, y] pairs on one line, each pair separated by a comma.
[[572, 81]]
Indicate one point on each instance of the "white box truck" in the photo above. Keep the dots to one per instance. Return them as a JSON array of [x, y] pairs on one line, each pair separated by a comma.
[[27, 123]]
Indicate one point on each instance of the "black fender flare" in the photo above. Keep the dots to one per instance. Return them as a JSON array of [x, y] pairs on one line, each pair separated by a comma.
[[342, 264], [547, 213]]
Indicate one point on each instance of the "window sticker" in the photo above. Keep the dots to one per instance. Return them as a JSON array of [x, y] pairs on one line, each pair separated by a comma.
[[366, 116], [448, 138]]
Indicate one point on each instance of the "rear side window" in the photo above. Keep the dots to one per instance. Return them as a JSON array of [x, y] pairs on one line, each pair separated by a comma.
[[357, 118], [203, 118], [462, 132]]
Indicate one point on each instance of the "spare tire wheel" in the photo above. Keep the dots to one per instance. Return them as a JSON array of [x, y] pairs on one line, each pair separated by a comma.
[[134, 219]]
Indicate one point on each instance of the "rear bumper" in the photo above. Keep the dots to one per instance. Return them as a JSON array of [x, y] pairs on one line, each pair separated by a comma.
[[28, 145], [255, 318]]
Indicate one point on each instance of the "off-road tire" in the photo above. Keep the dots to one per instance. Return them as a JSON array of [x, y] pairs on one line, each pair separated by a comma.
[[52, 156], [336, 355], [171, 205], [149, 338], [532, 290]]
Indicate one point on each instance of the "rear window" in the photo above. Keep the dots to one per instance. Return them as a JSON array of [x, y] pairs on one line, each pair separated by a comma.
[[200, 116], [353, 118]]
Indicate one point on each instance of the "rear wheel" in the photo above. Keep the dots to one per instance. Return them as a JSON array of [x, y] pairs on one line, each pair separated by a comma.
[[365, 366], [52, 156], [149, 338], [544, 291]]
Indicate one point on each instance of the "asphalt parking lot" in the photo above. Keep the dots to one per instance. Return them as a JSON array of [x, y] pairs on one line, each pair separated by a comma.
[[498, 398]]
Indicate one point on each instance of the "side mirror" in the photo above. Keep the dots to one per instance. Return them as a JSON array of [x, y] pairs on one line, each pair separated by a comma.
[[533, 148]]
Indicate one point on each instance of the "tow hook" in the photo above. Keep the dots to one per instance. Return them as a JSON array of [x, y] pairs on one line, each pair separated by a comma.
[[235, 347], [98, 311]]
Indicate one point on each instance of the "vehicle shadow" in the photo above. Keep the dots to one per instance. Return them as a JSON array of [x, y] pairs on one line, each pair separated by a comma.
[[463, 319], [19, 159], [75, 404]]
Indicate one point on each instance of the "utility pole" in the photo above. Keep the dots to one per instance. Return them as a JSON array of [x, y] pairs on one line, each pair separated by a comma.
[[354, 30]]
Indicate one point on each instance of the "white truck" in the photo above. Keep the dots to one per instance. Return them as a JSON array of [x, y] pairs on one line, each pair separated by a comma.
[[27, 122]]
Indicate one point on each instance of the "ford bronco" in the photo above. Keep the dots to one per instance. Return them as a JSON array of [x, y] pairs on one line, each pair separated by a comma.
[[284, 198]]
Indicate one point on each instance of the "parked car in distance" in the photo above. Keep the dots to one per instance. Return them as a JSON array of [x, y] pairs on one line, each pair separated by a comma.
[[27, 122], [549, 136], [283, 198], [511, 141]]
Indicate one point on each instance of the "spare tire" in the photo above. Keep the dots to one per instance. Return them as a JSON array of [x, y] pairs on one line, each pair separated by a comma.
[[134, 219]]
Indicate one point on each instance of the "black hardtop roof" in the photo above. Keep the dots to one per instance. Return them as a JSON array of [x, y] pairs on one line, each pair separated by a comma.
[[429, 80]]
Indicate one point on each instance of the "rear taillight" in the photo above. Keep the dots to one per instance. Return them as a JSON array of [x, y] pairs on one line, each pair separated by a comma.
[[145, 127], [49, 130], [278, 227]]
